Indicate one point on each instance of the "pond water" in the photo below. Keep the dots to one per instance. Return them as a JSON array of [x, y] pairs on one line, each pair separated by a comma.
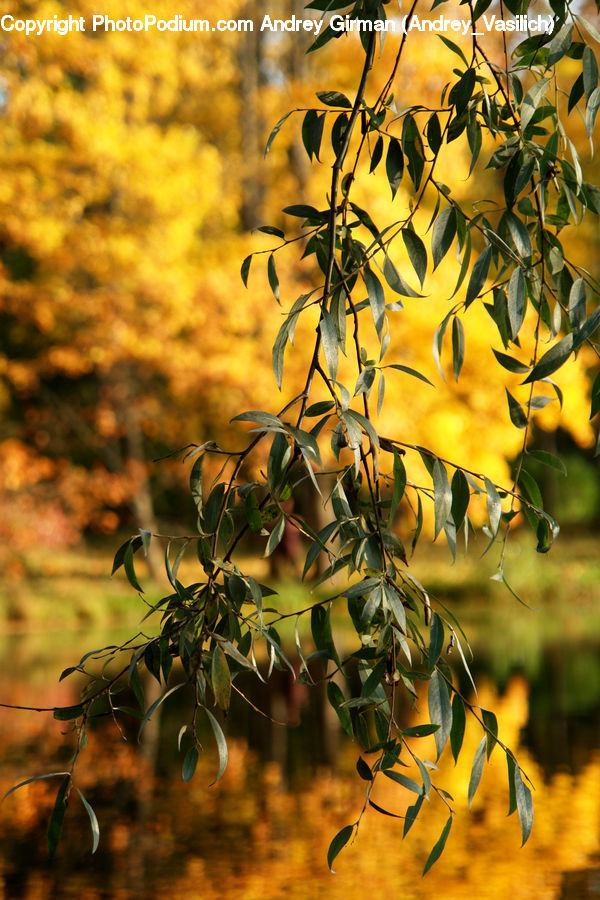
[[263, 831]]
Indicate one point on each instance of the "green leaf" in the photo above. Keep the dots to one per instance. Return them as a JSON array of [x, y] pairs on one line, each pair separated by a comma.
[[494, 506], [403, 780], [410, 371], [436, 641], [420, 731], [434, 133], [478, 275], [377, 154], [130, 569], [394, 165], [552, 360], [577, 301], [548, 459], [245, 270], [317, 409], [491, 722], [592, 110], [31, 780], [589, 73], [394, 601], [262, 418], [276, 131], [396, 281], [458, 346], [365, 381], [411, 814], [439, 847], [477, 769], [453, 47], [272, 275], [416, 253], [334, 98], [302, 211], [58, 815], [587, 329], [221, 745], [559, 44], [444, 232], [275, 536], [220, 679], [308, 129], [329, 340], [512, 795], [93, 821], [460, 497], [364, 422], [339, 841], [457, 732], [196, 482], [440, 711], [336, 699], [155, 706], [512, 365], [364, 770], [462, 91], [189, 764], [399, 484], [524, 805], [532, 99], [376, 300], [517, 302], [442, 496], [517, 234], [413, 149], [516, 412]]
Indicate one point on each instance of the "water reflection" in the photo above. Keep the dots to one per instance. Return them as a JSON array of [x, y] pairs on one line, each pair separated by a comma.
[[263, 831]]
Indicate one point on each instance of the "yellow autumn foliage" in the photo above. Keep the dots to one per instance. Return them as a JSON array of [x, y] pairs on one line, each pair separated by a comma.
[[121, 158]]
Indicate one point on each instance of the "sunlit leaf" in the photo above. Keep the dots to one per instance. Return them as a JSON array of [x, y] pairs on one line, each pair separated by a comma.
[[93, 821], [524, 805]]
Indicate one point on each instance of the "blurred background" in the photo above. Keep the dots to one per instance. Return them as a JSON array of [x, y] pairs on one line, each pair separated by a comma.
[[131, 175]]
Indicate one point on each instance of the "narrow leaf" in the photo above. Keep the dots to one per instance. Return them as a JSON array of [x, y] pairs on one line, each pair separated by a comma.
[[439, 847], [220, 679], [457, 731], [440, 711], [524, 805], [93, 821], [552, 360], [458, 346], [442, 496], [404, 780], [336, 699], [444, 231], [58, 815], [515, 410], [189, 764], [517, 302], [416, 253], [394, 165], [478, 275], [221, 745], [477, 769], [339, 841]]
